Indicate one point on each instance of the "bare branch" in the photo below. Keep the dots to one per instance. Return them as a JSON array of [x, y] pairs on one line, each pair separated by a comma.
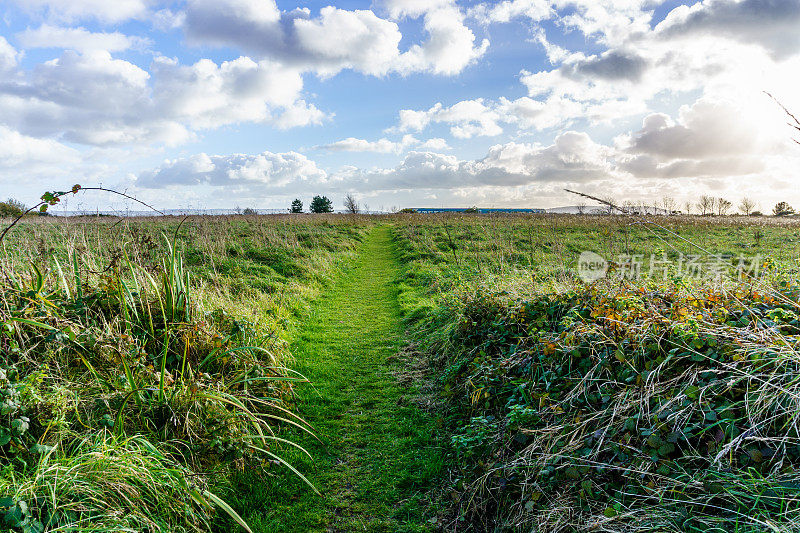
[[604, 202]]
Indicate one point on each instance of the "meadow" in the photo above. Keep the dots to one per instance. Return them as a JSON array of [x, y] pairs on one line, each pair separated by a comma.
[[399, 373]]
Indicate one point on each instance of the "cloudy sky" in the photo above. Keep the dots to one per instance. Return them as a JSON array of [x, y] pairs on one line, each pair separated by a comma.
[[224, 103]]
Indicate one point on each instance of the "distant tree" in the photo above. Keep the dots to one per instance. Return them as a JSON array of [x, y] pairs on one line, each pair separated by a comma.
[[405, 210], [606, 208], [746, 206], [249, 211], [782, 209], [581, 207], [723, 206], [688, 208], [321, 204], [706, 205], [669, 204], [11, 208], [297, 206], [629, 206], [351, 204], [756, 214]]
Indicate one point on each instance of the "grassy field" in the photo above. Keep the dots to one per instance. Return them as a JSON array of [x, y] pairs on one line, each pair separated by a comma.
[[404, 373], [664, 403]]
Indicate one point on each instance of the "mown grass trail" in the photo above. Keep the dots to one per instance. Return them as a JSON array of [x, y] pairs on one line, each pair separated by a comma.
[[378, 456]]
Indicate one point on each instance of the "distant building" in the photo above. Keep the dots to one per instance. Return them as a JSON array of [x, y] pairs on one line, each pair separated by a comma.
[[475, 210]]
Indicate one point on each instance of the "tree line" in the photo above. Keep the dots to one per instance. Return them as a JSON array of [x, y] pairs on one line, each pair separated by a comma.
[[705, 205], [323, 204]]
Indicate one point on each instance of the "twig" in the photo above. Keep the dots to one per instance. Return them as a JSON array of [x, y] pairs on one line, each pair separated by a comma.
[[796, 124], [53, 198]]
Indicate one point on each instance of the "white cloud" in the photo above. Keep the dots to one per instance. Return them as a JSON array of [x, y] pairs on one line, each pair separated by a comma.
[[474, 118], [20, 152], [609, 22], [508, 10], [238, 173], [385, 146], [435, 144], [207, 95], [468, 118], [8, 55], [300, 113], [109, 12], [450, 46], [166, 19], [413, 8], [92, 98], [47, 36], [364, 42]]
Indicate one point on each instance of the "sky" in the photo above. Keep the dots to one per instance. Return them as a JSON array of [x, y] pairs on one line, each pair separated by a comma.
[[212, 104]]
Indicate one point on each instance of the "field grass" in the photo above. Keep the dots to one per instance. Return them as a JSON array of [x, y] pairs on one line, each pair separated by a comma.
[[423, 373]]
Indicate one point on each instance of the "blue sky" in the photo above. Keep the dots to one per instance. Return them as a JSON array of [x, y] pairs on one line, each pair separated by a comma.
[[217, 103]]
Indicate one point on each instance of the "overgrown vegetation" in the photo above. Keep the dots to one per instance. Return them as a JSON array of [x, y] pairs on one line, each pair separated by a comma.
[[146, 371], [132, 388], [655, 404]]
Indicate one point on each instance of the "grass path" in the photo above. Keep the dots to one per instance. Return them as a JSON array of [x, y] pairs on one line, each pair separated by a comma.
[[378, 457]]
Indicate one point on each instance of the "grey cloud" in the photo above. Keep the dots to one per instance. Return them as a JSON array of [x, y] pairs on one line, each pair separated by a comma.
[[645, 166], [613, 65], [706, 129], [774, 24]]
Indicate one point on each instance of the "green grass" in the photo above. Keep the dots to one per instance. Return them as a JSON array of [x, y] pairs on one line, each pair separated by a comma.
[[378, 456]]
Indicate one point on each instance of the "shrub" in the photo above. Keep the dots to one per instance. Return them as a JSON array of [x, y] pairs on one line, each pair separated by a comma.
[[11, 208], [650, 410]]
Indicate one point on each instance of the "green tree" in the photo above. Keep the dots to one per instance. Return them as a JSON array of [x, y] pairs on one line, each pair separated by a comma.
[[297, 206], [782, 209], [11, 208], [321, 204]]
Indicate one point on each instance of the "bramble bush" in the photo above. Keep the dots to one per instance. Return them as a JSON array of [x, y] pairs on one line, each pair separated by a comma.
[[631, 408]]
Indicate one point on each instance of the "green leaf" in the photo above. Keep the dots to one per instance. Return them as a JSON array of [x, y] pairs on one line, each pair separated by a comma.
[[19, 426], [219, 502], [41, 448]]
